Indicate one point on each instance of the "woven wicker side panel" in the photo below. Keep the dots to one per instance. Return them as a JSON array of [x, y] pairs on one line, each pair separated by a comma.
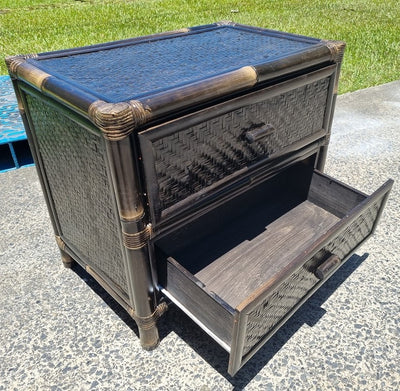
[[76, 172], [192, 159], [275, 306]]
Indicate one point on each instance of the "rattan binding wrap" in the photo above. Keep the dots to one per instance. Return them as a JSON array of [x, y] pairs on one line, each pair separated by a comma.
[[137, 240], [74, 163], [195, 158], [117, 120], [275, 306]]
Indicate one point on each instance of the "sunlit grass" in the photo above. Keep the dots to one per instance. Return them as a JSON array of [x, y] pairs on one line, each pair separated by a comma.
[[369, 27]]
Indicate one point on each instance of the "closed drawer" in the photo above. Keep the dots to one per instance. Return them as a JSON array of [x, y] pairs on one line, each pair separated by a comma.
[[187, 159], [242, 270]]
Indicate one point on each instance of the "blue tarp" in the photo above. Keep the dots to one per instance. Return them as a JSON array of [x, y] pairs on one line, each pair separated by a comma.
[[14, 149]]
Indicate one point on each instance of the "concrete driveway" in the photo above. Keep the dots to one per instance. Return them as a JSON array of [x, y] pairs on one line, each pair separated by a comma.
[[60, 331]]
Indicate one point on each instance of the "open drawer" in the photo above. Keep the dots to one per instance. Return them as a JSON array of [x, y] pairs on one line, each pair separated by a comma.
[[242, 269]]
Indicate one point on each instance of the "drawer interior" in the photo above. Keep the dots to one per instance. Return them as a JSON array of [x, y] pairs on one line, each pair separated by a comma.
[[251, 238], [244, 267]]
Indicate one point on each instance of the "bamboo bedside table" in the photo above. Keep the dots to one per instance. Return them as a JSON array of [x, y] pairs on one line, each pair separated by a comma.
[[189, 166]]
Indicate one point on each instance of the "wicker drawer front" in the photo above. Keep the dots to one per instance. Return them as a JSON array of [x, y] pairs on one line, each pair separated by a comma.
[[189, 155], [266, 315]]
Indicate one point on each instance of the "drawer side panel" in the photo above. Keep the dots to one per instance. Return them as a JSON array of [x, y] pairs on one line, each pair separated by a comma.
[[209, 310]]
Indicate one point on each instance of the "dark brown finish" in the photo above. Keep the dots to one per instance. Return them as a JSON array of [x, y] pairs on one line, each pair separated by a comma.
[[183, 165]]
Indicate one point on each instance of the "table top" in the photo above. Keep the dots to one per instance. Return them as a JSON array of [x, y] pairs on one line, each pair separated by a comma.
[[138, 67]]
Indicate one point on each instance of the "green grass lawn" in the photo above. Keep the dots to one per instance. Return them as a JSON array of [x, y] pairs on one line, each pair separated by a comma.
[[371, 28]]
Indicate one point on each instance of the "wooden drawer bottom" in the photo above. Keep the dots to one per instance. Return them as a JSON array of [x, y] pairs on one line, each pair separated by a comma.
[[241, 270]]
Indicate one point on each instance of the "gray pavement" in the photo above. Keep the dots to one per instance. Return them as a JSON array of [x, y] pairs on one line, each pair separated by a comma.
[[61, 332]]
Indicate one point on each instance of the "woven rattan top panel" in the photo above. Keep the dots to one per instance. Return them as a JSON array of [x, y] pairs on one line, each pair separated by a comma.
[[131, 69]]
